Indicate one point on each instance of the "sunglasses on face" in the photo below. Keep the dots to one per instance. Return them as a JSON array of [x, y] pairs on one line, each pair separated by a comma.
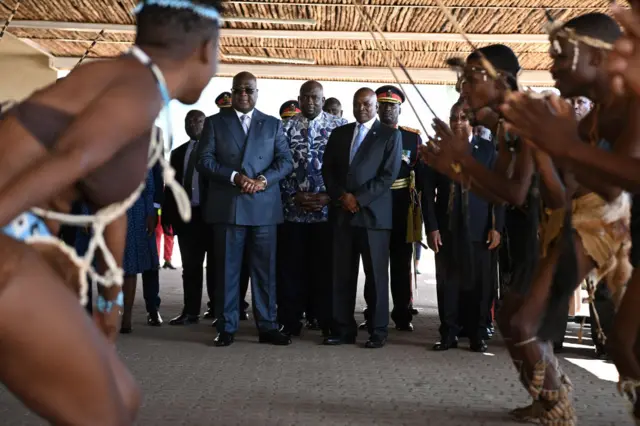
[[240, 90]]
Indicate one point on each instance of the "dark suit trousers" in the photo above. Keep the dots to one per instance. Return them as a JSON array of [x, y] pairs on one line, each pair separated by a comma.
[[400, 257], [195, 240], [244, 283], [349, 243], [151, 290], [260, 244], [304, 272], [455, 297]]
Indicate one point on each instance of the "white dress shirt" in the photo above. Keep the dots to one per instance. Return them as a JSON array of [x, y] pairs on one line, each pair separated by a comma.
[[240, 114], [367, 127]]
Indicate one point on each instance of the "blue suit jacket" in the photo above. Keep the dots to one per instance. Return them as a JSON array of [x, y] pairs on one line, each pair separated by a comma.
[[223, 149]]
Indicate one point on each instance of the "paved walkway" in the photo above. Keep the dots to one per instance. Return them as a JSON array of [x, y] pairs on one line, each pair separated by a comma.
[[187, 381]]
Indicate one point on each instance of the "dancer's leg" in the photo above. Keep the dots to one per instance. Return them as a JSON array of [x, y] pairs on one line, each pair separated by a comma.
[[65, 375], [623, 339], [540, 373]]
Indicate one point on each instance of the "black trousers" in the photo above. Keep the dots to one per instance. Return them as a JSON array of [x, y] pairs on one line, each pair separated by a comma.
[[455, 297], [195, 241], [400, 258], [349, 243], [304, 273]]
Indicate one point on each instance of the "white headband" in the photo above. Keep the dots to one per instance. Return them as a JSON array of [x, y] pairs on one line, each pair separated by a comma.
[[201, 10]]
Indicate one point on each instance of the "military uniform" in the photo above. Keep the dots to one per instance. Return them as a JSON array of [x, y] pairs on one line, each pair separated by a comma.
[[410, 205], [289, 109]]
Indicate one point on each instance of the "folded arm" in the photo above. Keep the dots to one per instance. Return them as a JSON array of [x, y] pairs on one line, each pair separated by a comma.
[[208, 164], [282, 163], [86, 144]]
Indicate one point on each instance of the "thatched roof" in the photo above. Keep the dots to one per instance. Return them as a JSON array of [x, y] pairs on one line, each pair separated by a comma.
[[394, 16]]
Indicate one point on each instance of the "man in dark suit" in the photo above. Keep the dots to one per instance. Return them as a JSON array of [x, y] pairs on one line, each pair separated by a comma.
[[244, 154], [405, 190], [470, 229], [194, 238], [361, 162], [223, 100]]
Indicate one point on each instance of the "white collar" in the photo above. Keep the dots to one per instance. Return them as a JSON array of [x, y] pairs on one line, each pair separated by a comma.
[[248, 114], [369, 124]]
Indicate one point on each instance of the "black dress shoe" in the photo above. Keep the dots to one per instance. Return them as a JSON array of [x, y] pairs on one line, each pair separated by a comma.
[[168, 265], [154, 319], [208, 314], [214, 322], [223, 339], [313, 325], [404, 327], [445, 345], [375, 342], [478, 346], [184, 319], [558, 347], [275, 337], [338, 340], [244, 316], [364, 325], [295, 330], [413, 311], [487, 334]]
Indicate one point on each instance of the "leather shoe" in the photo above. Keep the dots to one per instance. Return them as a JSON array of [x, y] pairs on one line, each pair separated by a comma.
[[404, 327], [296, 330], [275, 337], [478, 346], [375, 342], [244, 316], [184, 319], [208, 314], [154, 319], [313, 325], [364, 325], [223, 339], [338, 340], [444, 345], [214, 322]]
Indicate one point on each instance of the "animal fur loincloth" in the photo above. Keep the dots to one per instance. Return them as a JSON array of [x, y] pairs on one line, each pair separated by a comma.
[[604, 229]]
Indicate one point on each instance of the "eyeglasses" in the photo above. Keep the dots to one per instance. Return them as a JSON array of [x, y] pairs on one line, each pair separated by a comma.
[[240, 90]]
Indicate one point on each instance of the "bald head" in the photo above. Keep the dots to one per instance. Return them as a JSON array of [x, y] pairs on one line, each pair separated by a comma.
[[311, 99], [365, 106]]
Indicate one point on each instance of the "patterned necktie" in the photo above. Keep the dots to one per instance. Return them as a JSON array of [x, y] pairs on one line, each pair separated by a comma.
[[357, 142], [245, 123]]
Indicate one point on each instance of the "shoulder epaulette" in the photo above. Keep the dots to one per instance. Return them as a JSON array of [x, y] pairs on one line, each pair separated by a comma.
[[409, 129]]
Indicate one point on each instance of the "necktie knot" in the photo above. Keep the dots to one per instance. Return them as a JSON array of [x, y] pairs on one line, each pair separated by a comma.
[[244, 119]]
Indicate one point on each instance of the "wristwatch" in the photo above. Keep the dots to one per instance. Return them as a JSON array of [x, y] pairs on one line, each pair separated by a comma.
[[263, 179]]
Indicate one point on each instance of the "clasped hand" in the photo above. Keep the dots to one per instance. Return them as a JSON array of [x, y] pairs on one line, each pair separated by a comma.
[[349, 203], [248, 185]]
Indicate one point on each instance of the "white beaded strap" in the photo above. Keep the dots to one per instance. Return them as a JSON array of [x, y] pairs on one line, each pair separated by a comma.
[[98, 222]]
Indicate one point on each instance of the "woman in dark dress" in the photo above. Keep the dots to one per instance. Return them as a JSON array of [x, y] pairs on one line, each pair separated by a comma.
[[141, 255], [86, 137]]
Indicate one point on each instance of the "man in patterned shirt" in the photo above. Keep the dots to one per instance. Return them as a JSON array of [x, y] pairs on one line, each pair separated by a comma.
[[304, 240]]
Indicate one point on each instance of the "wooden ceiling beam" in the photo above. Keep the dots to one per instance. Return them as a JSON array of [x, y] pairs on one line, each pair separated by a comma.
[[292, 72], [295, 34]]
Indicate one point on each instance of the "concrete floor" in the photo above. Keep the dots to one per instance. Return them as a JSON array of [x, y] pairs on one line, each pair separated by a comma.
[[187, 381]]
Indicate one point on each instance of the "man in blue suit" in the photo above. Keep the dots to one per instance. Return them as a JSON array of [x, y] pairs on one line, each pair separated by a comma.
[[244, 154]]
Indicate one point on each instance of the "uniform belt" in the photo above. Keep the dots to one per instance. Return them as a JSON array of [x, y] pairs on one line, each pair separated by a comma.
[[401, 183]]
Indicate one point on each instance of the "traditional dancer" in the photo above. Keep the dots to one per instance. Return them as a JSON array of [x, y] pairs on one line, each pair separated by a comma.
[[512, 178], [587, 232], [71, 141], [620, 166]]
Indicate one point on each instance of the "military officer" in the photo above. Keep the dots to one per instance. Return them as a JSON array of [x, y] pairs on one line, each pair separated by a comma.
[[289, 109], [408, 200]]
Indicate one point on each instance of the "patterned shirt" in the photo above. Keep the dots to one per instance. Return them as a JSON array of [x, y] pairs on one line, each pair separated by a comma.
[[307, 141]]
